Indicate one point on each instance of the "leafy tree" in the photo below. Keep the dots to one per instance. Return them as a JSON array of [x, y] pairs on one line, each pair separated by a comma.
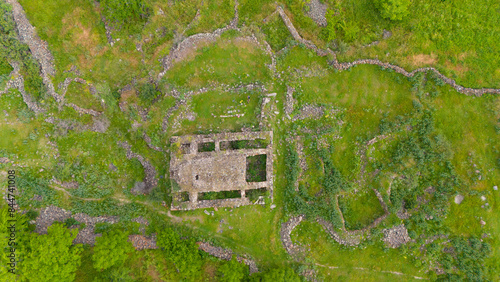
[[52, 257], [232, 271], [111, 249], [6, 244], [183, 253], [394, 10]]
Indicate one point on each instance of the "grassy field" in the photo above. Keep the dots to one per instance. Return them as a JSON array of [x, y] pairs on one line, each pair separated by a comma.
[[434, 138], [360, 210], [347, 261]]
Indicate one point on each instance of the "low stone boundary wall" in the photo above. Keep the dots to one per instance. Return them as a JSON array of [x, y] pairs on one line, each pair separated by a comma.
[[344, 66], [286, 229], [227, 254]]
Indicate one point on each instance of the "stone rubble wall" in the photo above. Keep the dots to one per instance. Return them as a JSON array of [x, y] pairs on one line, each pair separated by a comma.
[[141, 242], [148, 141], [150, 180], [350, 241], [100, 124], [464, 90], [285, 232], [38, 47], [396, 236], [344, 66], [193, 40], [17, 82], [289, 102], [51, 214], [227, 254]]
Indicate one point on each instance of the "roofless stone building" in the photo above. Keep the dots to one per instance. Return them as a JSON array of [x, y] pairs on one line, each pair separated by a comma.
[[221, 170]]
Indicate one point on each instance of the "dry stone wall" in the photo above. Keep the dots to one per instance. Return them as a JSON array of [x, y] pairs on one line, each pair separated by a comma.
[[38, 47], [150, 180], [344, 66]]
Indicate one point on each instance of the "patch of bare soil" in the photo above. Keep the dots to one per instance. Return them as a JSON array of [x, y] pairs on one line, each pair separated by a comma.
[[423, 59]]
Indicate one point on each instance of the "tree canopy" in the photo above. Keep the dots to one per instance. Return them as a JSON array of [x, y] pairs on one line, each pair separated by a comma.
[[52, 257], [183, 253], [232, 271], [111, 249]]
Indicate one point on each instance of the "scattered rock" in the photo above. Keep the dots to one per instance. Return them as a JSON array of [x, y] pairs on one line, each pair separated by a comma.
[[139, 188], [458, 199], [386, 34], [396, 236], [112, 167], [141, 242], [48, 215]]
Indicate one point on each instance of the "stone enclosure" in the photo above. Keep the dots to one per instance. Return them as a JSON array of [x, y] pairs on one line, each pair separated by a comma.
[[221, 170]]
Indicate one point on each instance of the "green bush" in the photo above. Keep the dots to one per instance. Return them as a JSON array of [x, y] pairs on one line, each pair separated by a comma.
[[395, 10], [111, 249], [148, 92], [70, 222], [129, 14], [183, 253]]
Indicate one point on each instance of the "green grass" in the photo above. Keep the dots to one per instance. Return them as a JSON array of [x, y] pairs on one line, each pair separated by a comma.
[[80, 95], [5, 67], [213, 15], [365, 95], [227, 62], [254, 231], [76, 36], [256, 168], [220, 111], [206, 147], [277, 35], [459, 36], [327, 252], [254, 11], [360, 210], [219, 195]]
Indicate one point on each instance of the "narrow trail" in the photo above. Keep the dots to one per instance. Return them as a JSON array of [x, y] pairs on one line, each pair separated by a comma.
[[366, 269]]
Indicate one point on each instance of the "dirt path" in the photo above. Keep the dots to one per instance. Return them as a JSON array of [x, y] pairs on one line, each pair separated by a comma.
[[366, 269]]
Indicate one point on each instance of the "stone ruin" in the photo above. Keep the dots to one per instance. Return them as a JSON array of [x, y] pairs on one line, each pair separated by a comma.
[[202, 164], [396, 236]]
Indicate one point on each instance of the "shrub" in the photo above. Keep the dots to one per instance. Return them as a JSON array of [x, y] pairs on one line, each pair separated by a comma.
[[394, 10], [70, 222], [130, 14], [148, 92], [51, 257], [111, 249]]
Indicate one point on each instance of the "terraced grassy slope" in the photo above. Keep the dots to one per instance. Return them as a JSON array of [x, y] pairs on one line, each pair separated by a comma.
[[360, 150]]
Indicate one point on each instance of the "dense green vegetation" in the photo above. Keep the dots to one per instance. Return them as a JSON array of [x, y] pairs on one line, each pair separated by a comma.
[[256, 168]]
